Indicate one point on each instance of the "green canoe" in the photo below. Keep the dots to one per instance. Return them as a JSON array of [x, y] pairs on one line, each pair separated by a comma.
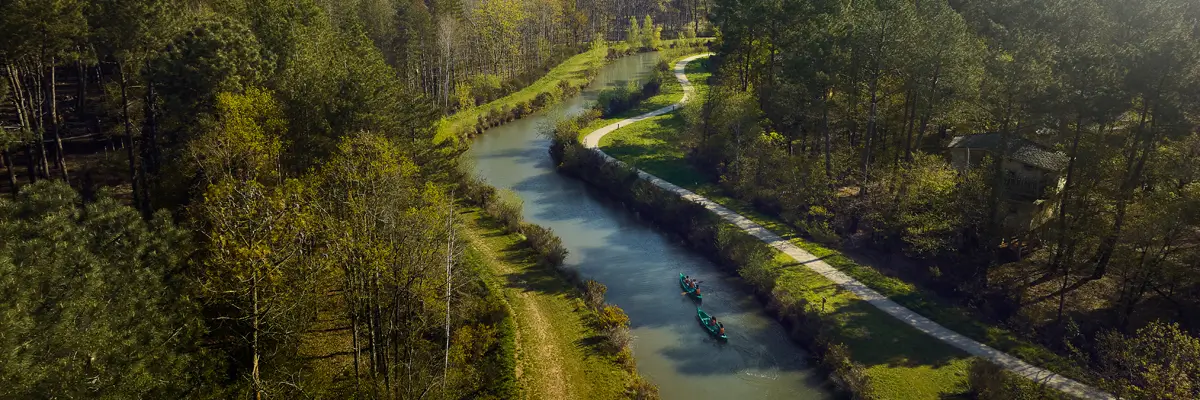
[[690, 290], [705, 320]]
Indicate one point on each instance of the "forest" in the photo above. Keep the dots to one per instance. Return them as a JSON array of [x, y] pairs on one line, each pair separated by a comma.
[[1034, 160], [243, 198]]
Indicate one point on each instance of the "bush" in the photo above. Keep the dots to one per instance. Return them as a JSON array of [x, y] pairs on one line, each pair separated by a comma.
[[594, 293], [507, 209], [651, 87], [640, 389], [662, 66], [544, 99], [505, 114], [625, 358], [494, 117], [611, 316], [618, 337], [616, 100], [520, 110], [484, 88], [477, 192], [566, 89], [549, 247]]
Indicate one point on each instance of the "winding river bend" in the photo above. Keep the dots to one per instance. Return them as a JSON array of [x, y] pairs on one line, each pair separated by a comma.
[[640, 266]]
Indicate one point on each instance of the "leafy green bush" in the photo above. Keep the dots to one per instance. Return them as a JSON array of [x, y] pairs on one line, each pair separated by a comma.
[[543, 99], [615, 100], [549, 247], [485, 88], [507, 209], [611, 316]]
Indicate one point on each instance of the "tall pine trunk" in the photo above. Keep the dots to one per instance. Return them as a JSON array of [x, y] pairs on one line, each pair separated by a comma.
[[134, 176], [52, 122]]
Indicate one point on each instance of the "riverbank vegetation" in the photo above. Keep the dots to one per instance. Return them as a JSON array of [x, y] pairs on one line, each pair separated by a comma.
[[562, 82], [244, 198], [594, 332]]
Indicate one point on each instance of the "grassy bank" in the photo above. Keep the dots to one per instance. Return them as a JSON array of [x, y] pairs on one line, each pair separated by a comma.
[[576, 71], [561, 81], [898, 361], [558, 355], [670, 92]]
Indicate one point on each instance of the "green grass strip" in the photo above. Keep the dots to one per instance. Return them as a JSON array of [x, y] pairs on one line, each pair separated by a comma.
[[589, 372], [573, 70]]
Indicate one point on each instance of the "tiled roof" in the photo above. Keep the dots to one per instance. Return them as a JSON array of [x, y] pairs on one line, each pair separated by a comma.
[[1019, 149]]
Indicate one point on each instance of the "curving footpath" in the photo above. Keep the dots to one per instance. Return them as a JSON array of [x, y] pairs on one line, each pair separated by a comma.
[[1011, 363]]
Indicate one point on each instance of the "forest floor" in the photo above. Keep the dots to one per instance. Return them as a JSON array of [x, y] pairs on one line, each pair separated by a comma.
[[903, 362], [559, 355]]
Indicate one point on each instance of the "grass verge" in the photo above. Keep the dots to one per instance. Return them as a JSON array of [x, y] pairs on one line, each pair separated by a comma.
[[559, 353], [900, 364], [669, 93], [574, 70]]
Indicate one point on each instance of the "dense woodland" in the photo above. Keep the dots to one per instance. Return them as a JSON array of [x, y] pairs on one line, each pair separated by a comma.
[[463, 53], [242, 198], [837, 115]]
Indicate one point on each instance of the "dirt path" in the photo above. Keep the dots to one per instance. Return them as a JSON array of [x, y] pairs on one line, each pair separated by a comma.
[[545, 377], [912, 318]]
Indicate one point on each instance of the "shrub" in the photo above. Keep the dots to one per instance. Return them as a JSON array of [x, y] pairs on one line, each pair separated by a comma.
[[484, 88], [549, 247], [618, 337], [615, 100], [566, 89], [507, 209], [625, 358], [506, 114], [477, 192], [611, 316], [662, 66], [543, 99], [494, 117], [651, 87], [641, 389], [520, 110], [588, 116], [594, 293]]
